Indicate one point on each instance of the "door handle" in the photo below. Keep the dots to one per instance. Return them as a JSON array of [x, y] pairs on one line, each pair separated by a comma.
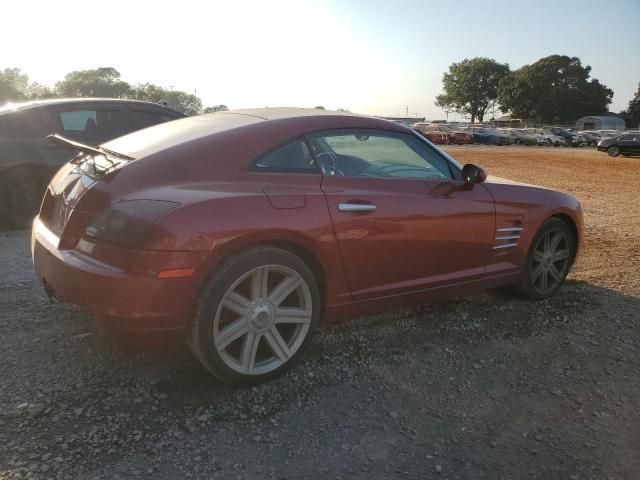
[[356, 207]]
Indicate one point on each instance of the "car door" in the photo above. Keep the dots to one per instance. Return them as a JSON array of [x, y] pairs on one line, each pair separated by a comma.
[[629, 144], [402, 221]]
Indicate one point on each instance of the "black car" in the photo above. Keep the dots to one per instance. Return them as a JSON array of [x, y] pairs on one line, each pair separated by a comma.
[[24, 126], [627, 145], [28, 160]]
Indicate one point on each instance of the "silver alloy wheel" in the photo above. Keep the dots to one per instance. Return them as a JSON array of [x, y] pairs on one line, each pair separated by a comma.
[[550, 261], [262, 319], [613, 151]]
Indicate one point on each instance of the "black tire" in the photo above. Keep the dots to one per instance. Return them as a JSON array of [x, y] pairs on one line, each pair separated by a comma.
[[517, 141], [537, 267], [613, 151], [201, 329]]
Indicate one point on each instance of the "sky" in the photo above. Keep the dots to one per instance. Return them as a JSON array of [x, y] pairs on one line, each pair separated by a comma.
[[377, 57]]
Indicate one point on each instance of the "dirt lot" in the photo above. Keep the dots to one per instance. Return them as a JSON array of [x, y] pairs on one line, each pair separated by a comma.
[[484, 387]]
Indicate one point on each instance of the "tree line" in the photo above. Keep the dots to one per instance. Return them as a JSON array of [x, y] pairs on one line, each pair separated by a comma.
[[555, 89], [15, 86]]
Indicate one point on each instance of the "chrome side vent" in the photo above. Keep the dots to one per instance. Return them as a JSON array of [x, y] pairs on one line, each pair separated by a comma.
[[507, 237]]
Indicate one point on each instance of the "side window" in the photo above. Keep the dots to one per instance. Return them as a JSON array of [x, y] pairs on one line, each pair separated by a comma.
[[94, 125], [293, 157], [367, 153], [145, 118], [78, 120]]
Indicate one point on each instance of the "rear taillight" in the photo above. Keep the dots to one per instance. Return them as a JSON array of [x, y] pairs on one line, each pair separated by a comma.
[[129, 222]]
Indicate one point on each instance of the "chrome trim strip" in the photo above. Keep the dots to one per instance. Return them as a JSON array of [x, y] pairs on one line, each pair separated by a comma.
[[506, 245], [510, 229], [356, 207], [509, 237]]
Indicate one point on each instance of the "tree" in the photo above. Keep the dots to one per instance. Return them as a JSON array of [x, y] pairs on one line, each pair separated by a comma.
[[471, 86], [555, 89], [101, 82], [14, 85], [182, 101], [632, 114], [216, 108]]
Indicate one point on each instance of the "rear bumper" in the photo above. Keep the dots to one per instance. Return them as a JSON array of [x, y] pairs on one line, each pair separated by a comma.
[[130, 300]]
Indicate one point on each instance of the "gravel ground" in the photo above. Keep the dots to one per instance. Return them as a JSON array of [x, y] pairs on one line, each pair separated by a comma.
[[483, 387]]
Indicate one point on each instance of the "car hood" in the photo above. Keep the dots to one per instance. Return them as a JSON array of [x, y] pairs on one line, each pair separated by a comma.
[[491, 180]]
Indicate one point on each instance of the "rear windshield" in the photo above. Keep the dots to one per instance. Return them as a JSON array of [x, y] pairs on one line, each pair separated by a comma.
[[170, 134]]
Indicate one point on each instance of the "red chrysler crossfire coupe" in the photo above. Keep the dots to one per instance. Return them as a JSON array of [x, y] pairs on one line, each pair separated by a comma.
[[241, 231]]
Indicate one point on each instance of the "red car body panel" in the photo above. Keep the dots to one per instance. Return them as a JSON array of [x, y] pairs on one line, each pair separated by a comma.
[[427, 238]]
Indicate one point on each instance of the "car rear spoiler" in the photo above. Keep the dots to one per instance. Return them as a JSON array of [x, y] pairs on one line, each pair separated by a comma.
[[65, 142]]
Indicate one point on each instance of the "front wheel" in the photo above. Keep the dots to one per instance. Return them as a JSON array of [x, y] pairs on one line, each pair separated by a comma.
[[613, 151], [255, 315], [548, 260]]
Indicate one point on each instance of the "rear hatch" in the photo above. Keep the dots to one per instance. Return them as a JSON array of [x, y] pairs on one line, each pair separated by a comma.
[[73, 180]]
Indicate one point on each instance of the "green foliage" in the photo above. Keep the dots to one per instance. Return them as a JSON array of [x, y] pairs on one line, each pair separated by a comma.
[[216, 108], [182, 101], [471, 86], [555, 89], [101, 82], [14, 85], [632, 114]]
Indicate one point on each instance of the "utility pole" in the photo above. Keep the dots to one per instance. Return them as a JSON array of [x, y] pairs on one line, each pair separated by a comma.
[[406, 111]]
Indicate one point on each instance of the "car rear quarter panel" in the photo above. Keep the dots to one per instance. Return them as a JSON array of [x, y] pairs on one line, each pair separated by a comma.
[[225, 218]]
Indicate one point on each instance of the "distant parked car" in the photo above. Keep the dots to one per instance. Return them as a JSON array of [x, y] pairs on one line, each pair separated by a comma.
[[488, 136], [572, 138], [627, 145], [608, 133], [592, 137], [431, 133], [518, 136], [457, 136], [545, 136]]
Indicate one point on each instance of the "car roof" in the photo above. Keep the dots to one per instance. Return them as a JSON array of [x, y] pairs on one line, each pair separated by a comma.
[[21, 106], [279, 113], [299, 120]]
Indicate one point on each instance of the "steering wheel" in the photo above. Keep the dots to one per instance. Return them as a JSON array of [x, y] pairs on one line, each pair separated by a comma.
[[328, 163]]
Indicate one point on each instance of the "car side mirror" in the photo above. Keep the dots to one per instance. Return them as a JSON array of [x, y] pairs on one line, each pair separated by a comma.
[[473, 174]]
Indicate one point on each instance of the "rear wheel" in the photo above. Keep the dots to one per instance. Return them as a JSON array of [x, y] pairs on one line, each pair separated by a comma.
[[548, 260], [255, 315], [613, 151]]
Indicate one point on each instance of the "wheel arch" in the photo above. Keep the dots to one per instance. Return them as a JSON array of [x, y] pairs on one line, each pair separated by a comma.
[[299, 247], [569, 222]]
